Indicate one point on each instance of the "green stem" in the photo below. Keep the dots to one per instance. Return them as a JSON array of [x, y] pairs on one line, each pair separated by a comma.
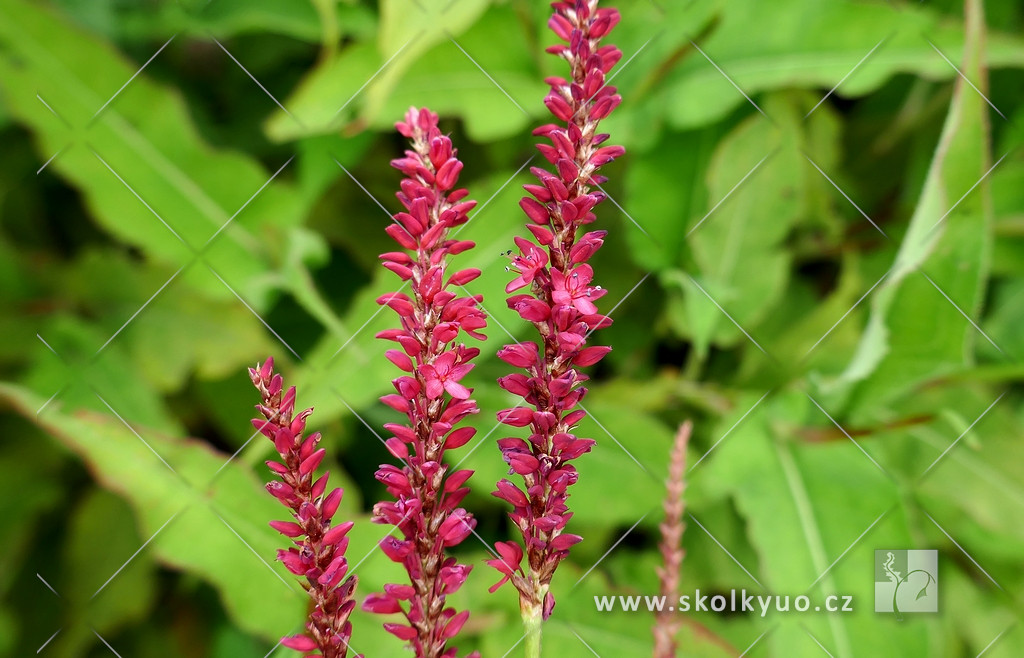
[[532, 625]]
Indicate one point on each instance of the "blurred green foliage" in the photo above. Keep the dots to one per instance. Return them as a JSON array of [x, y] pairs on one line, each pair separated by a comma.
[[832, 289]]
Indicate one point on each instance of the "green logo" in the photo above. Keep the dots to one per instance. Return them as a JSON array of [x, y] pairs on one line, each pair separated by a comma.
[[906, 581]]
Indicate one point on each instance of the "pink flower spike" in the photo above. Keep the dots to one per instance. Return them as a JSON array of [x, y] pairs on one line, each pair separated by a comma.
[[319, 552], [555, 293], [431, 395]]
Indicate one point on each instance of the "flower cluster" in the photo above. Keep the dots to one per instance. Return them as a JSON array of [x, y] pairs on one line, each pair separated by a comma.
[[430, 393], [667, 623], [559, 302], [319, 552]]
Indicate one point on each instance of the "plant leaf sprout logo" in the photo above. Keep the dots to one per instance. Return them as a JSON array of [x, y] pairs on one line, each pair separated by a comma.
[[906, 581]]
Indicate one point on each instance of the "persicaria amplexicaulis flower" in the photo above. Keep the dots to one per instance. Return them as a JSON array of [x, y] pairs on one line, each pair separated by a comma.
[[667, 622], [319, 552], [559, 300], [431, 393]]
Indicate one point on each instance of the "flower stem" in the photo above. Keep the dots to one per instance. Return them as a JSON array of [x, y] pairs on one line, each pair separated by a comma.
[[532, 624]]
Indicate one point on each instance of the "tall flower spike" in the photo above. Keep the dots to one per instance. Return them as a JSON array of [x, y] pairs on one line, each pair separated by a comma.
[[666, 624], [430, 392], [559, 302], [318, 555]]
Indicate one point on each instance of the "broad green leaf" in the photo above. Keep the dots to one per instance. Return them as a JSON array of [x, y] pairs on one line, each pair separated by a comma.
[[914, 331], [354, 84], [667, 193], [758, 185], [224, 335], [29, 490], [192, 187], [1003, 324], [759, 50], [102, 538], [190, 514], [805, 507], [76, 377]]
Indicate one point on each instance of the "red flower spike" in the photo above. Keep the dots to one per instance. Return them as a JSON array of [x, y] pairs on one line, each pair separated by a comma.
[[320, 552], [431, 395], [556, 293]]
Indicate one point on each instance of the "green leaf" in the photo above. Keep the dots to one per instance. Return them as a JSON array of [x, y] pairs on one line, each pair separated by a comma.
[[159, 154], [191, 514], [668, 193], [914, 332], [789, 494], [358, 81], [758, 185], [760, 50], [102, 538]]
